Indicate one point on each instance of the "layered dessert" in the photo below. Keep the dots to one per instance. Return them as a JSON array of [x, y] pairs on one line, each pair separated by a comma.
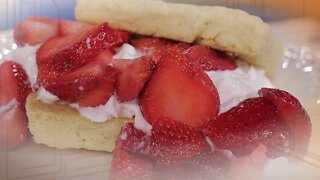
[[172, 98]]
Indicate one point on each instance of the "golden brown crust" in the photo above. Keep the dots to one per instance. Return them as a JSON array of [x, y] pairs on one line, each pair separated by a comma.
[[60, 126], [217, 27]]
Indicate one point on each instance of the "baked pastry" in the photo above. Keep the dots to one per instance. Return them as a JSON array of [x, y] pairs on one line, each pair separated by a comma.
[[217, 27], [59, 126], [191, 104]]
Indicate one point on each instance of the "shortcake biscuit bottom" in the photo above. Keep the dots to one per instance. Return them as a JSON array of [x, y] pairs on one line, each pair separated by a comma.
[[60, 126]]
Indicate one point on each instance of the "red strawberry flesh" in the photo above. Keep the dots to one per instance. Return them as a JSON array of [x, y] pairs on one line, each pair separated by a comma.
[[14, 89], [72, 66], [294, 116], [133, 140], [154, 47], [35, 30], [100, 94], [133, 78], [67, 27], [65, 54], [181, 91], [77, 84], [13, 127], [244, 127], [173, 142], [14, 83], [209, 59], [129, 166]]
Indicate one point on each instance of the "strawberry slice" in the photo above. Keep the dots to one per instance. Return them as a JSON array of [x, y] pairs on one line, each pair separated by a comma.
[[13, 127], [65, 54], [35, 30], [66, 27], [154, 47], [250, 123], [101, 93], [293, 114], [14, 87], [72, 66], [132, 79], [180, 91], [209, 59], [133, 140], [14, 83], [121, 64], [105, 56], [128, 166], [91, 85], [173, 142]]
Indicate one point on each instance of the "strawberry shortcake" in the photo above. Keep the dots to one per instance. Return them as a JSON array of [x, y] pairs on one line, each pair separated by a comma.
[[175, 91]]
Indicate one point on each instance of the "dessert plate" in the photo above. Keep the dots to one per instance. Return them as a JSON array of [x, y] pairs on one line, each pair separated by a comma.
[[298, 74]]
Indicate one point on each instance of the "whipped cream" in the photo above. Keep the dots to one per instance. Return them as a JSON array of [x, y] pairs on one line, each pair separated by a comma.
[[46, 96], [126, 51], [238, 85]]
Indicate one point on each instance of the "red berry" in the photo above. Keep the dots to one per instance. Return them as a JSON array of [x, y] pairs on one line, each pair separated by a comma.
[[65, 54], [209, 59], [79, 84], [75, 67], [121, 64], [35, 30], [133, 140], [173, 142], [13, 127], [294, 116], [154, 47], [14, 83], [180, 91], [67, 27], [244, 127], [100, 94], [129, 166], [132, 79]]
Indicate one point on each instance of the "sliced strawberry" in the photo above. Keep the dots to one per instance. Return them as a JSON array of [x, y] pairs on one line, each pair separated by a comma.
[[250, 123], [105, 56], [149, 44], [209, 59], [128, 166], [173, 142], [293, 114], [133, 140], [72, 66], [154, 47], [65, 54], [181, 91], [14, 83], [66, 27], [91, 85], [35, 30], [132, 79], [121, 64], [101, 93], [13, 127]]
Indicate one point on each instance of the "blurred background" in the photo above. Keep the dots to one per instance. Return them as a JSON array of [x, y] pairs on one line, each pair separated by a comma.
[[13, 11]]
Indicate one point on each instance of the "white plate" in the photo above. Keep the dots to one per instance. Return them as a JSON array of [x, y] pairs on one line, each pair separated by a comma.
[[299, 74]]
